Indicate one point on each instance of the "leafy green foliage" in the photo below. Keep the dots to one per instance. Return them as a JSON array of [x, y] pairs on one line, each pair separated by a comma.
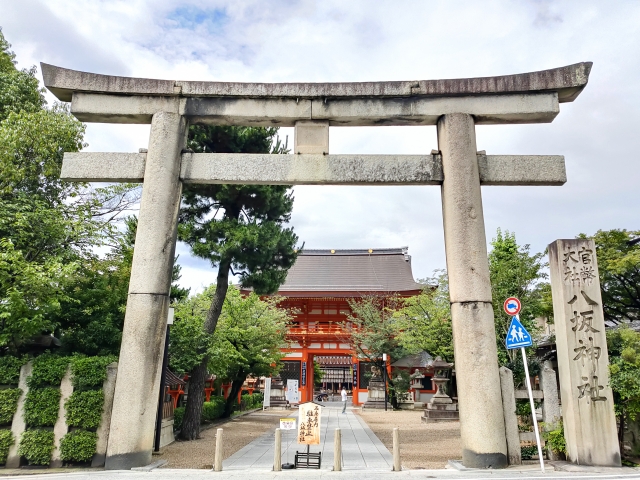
[[48, 369], [554, 438], [41, 407], [618, 253], [213, 409], [84, 409], [527, 452], [515, 272], [78, 446], [10, 369], [374, 331], [424, 321], [36, 446], [6, 441], [178, 416], [8, 404], [88, 372], [624, 368]]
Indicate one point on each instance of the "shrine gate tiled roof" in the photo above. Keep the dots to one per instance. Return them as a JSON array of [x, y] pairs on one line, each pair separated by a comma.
[[366, 271]]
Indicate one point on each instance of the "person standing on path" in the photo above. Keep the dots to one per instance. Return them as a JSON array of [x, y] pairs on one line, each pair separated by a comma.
[[343, 393]]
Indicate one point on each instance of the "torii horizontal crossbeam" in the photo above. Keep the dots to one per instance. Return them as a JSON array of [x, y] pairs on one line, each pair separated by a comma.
[[522, 98], [309, 169]]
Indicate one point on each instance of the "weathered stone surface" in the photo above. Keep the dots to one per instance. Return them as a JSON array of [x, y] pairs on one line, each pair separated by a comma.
[[551, 411], [103, 167], [132, 422], [311, 137], [522, 170], [464, 233], [18, 424], [583, 361], [61, 428], [526, 108], [285, 112], [479, 395], [108, 389], [307, 169], [567, 81], [510, 419]]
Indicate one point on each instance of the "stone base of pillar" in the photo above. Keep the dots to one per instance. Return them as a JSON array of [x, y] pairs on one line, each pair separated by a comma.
[[375, 397]]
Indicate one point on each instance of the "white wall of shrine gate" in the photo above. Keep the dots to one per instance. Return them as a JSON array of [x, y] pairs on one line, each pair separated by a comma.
[[455, 107]]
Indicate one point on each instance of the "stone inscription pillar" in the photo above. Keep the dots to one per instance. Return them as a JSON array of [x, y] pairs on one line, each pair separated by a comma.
[[583, 361], [481, 421], [136, 392]]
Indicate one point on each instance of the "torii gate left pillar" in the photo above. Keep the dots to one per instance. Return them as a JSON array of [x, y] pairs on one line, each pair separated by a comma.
[[141, 351], [455, 106]]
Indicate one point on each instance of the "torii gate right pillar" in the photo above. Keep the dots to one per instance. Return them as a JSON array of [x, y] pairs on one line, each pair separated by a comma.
[[481, 422]]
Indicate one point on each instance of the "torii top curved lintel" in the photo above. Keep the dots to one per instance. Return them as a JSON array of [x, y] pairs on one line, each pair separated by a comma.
[[567, 81]]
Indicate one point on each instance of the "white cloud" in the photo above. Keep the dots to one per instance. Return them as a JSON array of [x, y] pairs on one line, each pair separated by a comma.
[[284, 41]]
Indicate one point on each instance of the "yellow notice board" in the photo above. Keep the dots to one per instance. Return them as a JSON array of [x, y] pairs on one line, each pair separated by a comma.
[[309, 424]]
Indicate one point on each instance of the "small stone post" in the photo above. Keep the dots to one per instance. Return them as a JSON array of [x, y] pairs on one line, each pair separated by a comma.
[[277, 451], [551, 412], [18, 424], [139, 368], [60, 429], [337, 451], [396, 450], [217, 461], [510, 419], [583, 361], [474, 339]]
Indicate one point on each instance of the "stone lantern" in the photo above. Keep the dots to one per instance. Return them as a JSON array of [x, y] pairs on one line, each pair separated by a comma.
[[441, 407]]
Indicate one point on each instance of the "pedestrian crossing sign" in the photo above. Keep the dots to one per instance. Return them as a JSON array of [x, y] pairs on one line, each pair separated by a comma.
[[517, 335]]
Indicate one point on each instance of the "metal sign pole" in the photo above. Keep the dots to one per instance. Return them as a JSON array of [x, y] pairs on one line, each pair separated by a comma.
[[533, 408]]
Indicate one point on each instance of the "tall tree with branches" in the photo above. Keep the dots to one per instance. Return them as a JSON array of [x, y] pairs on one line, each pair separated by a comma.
[[240, 229]]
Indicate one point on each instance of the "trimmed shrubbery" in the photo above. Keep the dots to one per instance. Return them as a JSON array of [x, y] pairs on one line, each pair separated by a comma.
[[211, 411], [36, 446], [41, 407], [84, 409], [78, 446], [90, 372], [48, 369], [6, 440], [8, 404], [10, 369]]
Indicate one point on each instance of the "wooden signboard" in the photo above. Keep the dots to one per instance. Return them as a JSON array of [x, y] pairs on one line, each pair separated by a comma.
[[309, 424]]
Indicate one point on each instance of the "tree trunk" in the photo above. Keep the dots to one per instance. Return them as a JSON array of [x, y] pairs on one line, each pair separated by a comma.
[[232, 399], [193, 412], [621, 432]]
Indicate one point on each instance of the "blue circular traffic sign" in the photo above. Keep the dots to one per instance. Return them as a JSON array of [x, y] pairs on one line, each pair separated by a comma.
[[512, 306]]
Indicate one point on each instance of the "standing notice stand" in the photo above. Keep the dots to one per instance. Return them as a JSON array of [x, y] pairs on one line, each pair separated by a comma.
[[287, 424], [518, 337]]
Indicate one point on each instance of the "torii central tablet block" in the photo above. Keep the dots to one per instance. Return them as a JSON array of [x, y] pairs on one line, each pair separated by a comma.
[[454, 106]]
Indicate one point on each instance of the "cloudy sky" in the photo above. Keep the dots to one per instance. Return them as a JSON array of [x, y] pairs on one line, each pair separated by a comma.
[[289, 40]]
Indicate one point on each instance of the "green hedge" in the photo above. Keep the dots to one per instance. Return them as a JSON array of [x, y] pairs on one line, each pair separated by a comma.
[[41, 407], [178, 416], [6, 440], [78, 446], [10, 369], [84, 409], [90, 372], [213, 409], [252, 401], [36, 446], [8, 404], [48, 369]]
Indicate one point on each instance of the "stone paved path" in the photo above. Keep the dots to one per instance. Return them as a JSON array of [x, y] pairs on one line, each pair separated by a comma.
[[360, 447]]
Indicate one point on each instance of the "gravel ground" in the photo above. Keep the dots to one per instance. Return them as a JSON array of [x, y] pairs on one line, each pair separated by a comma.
[[238, 432], [422, 445]]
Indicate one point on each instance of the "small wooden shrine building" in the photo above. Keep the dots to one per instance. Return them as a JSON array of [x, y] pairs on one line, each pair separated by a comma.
[[317, 290]]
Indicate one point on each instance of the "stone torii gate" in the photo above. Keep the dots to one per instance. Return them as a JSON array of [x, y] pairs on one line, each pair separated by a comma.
[[454, 106]]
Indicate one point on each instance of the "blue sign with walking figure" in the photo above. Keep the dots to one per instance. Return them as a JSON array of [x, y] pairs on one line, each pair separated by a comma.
[[517, 335]]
